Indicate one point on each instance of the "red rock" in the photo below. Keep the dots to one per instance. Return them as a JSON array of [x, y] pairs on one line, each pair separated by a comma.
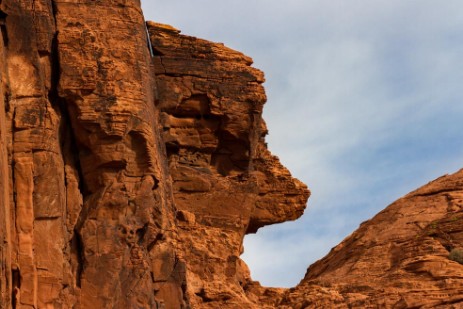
[[398, 259], [88, 217], [226, 183], [91, 210]]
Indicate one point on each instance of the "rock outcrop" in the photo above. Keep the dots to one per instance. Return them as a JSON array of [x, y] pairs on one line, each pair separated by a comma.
[[404, 257], [226, 183], [133, 162]]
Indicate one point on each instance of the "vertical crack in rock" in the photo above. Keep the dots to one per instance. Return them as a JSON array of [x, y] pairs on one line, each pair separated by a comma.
[[74, 181], [16, 286], [77, 252], [4, 34]]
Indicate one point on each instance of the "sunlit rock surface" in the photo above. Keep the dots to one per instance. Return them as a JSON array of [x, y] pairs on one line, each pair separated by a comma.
[[226, 183], [110, 196], [401, 258]]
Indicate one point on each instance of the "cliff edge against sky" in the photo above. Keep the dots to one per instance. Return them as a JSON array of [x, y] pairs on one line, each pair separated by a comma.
[[133, 162]]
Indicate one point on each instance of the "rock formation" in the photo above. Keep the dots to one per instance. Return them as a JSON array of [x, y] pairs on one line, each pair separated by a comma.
[[89, 210], [133, 162], [401, 258], [94, 212], [226, 183]]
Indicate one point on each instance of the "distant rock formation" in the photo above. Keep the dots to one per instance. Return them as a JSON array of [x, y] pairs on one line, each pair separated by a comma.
[[130, 173], [404, 257]]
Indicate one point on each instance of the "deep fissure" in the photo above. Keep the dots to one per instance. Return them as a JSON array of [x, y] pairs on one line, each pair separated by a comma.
[[69, 148]]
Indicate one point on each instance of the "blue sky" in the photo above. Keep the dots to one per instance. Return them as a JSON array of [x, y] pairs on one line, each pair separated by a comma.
[[364, 105]]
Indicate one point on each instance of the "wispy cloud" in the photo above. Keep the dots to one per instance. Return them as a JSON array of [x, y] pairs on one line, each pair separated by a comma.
[[365, 104]]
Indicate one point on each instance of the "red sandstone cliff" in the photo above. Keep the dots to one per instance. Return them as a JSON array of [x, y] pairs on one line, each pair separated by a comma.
[[226, 183], [111, 197], [86, 203], [130, 173]]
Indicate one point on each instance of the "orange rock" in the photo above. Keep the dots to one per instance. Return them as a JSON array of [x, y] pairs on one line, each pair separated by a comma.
[[93, 212], [88, 210], [226, 183], [398, 259]]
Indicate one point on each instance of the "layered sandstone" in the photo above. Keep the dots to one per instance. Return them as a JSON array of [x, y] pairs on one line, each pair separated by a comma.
[[94, 212], [226, 183], [86, 212]]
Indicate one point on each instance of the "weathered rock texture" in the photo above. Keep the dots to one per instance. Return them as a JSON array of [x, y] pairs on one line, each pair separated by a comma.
[[133, 163], [398, 259], [226, 183], [86, 205], [94, 212]]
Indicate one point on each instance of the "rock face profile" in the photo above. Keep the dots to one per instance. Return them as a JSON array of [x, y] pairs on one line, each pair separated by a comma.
[[225, 181], [133, 162]]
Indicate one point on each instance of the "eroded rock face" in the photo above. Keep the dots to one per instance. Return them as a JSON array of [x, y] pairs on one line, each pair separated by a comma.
[[226, 183], [86, 205], [94, 213]]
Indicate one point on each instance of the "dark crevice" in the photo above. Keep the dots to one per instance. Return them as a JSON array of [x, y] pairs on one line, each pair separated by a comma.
[[4, 34], [77, 249], [67, 137], [157, 52], [159, 237], [3, 17], [186, 299], [69, 147], [55, 66], [152, 277], [54, 9], [46, 218], [16, 277], [141, 232], [436, 192], [114, 165], [172, 148], [203, 296], [6, 100], [44, 53]]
